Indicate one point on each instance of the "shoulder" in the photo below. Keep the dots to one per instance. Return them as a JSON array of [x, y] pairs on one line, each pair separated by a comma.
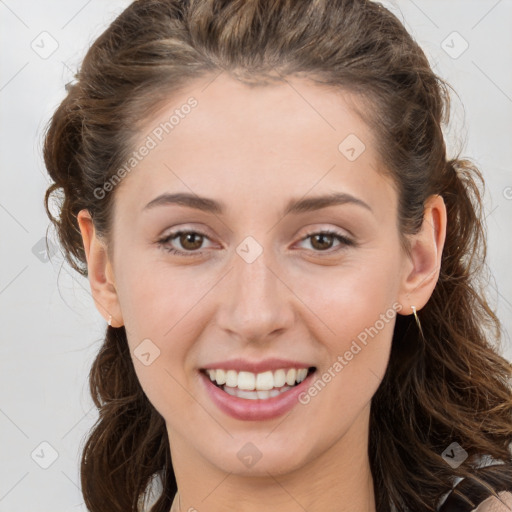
[[492, 504]]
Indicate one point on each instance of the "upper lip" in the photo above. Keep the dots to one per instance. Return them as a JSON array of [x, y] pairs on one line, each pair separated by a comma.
[[241, 365]]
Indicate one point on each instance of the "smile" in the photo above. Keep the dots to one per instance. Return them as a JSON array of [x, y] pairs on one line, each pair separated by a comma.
[[257, 386], [253, 396]]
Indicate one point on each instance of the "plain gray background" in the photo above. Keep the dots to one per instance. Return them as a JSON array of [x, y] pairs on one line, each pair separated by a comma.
[[50, 330]]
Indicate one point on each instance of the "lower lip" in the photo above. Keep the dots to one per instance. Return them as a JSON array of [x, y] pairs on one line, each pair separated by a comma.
[[255, 410]]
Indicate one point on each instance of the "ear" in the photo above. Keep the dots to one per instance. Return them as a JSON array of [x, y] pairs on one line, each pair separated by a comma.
[[101, 276], [426, 248]]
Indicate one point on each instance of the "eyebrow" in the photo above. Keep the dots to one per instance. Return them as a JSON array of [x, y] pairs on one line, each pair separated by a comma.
[[294, 206]]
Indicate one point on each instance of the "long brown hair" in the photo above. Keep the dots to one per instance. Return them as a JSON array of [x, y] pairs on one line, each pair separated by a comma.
[[447, 384]]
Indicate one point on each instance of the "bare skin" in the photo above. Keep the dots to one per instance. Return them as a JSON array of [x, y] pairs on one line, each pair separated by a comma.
[[306, 299]]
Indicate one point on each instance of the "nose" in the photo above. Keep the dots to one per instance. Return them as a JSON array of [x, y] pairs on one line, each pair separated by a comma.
[[256, 302]]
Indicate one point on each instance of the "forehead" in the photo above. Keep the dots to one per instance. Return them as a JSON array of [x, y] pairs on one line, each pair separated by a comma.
[[219, 136], [225, 107]]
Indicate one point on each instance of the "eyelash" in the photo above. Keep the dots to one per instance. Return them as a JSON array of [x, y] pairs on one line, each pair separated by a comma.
[[163, 242]]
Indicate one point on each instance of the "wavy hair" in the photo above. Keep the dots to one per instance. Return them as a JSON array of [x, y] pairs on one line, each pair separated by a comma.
[[445, 383]]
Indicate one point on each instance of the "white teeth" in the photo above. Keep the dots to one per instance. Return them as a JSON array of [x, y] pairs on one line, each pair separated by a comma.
[[230, 391], [290, 376], [264, 381], [231, 378], [246, 380], [254, 395], [219, 376], [301, 374], [261, 382], [279, 378], [245, 394]]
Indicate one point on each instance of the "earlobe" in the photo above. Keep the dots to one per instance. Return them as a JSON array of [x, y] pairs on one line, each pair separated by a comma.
[[100, 272], [426, 248]]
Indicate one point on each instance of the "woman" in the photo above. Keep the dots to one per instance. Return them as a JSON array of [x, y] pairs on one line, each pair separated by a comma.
[[288, 262]]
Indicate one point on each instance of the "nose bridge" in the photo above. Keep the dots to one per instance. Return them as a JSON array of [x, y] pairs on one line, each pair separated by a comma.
[[256, 301]]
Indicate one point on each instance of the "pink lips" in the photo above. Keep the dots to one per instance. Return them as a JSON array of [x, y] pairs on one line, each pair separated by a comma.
[[255, 410]]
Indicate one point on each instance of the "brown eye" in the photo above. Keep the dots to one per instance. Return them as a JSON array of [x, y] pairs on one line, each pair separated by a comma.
[[323, 241], [190, 240]]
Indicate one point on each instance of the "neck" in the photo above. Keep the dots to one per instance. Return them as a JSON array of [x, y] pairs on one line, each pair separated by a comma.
[[338, 480]]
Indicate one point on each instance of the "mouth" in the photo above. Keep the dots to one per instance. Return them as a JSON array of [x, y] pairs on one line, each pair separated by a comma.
[[256, 390], [257, 386]]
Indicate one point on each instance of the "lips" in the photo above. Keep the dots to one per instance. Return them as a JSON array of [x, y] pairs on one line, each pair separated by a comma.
[[252, 391]]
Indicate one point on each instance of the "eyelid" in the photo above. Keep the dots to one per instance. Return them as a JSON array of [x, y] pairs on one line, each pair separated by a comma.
[[345, 241], [166, 239], [338, 235]]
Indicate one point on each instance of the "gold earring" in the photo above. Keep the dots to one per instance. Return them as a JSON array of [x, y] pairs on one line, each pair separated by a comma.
[[417, 319], [110, 320]]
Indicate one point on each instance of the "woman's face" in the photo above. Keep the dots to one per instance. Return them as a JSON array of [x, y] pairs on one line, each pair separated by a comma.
[[256, 287]]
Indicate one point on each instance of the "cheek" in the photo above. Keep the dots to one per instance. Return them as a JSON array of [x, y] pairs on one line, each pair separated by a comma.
[[155, 306], [165, 306], [349, 299], [351, 374], [356, 311], [155, 296]]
